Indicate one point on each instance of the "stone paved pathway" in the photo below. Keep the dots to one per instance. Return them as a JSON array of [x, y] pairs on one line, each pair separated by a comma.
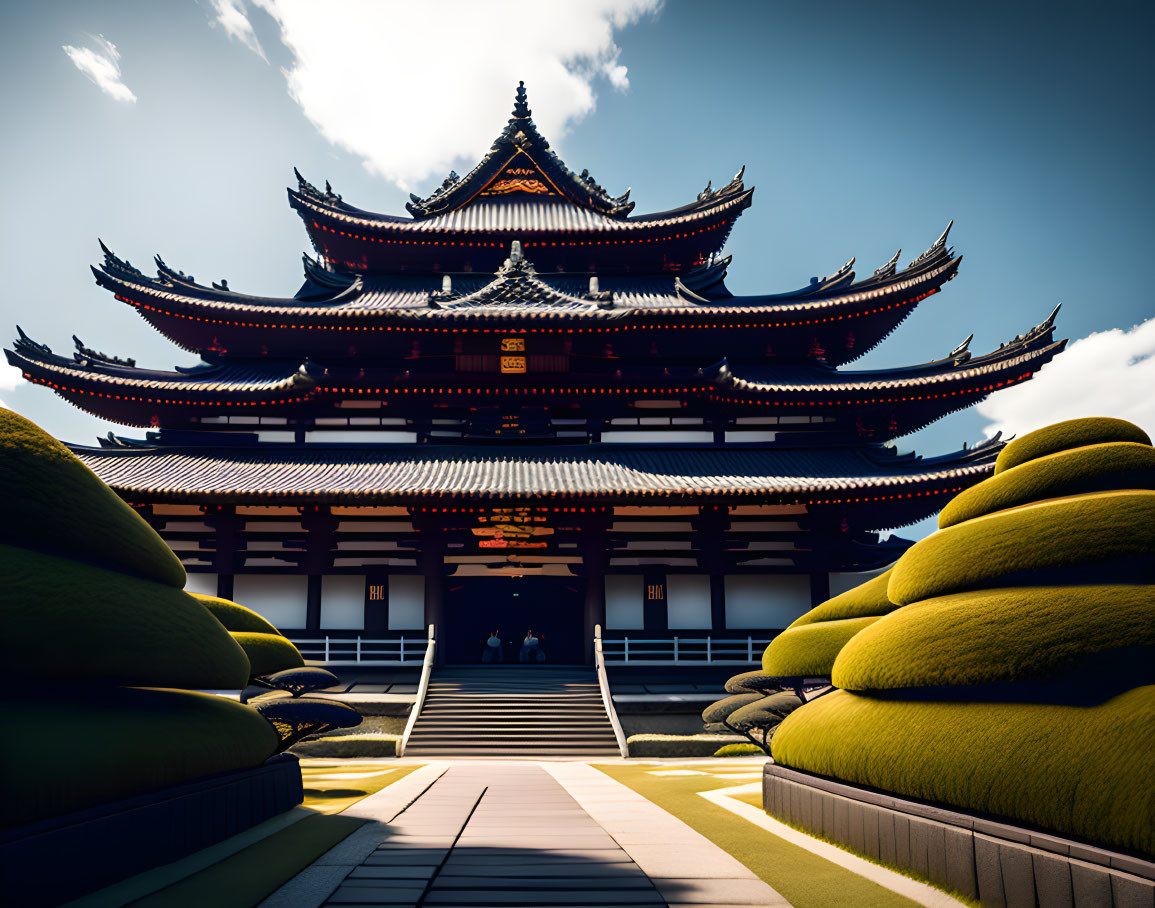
[[521, 833]]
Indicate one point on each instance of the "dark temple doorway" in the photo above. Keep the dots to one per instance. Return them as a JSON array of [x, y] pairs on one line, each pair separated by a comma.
[[551, 606]]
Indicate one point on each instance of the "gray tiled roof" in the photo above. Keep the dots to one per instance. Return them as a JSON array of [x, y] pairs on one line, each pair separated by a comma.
[[388, 472]]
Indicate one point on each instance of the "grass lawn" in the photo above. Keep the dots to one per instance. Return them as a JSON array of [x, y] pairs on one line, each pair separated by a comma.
[[335, 785], [803, 878], [243, 879]]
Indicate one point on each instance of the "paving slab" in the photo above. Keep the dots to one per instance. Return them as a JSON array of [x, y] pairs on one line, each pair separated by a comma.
[[513, 833]]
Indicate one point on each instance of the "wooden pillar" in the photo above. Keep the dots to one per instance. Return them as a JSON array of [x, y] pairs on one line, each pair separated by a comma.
[[594, 566], [319, 526], [376, 615], [655, 616], [226, 525], [433, 568], [712, 524], [313, 603], [717, 602]]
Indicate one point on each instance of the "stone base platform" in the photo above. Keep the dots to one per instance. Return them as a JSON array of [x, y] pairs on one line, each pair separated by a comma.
[[62, 858], [992, 862]]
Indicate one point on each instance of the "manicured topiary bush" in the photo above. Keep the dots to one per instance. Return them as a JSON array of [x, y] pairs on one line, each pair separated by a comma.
[[764, 714], [1081, 771], [1062, 436], [74, 620], [268, 653], [1103, 534], [998, 636], [740, 750], [93, 609], [54, 503], [1018, 678], [234, 616], [1096, 468], [78, 746], [865, 600], [810, 649], [677, 745]]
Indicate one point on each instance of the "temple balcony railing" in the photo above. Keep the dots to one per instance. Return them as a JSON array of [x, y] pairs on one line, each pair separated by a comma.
[[330, 649], [631, 649]]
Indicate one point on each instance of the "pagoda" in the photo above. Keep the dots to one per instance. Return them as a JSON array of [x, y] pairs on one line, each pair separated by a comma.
[[523, 404]]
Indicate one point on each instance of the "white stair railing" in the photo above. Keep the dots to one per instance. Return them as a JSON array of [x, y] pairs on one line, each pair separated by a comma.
[[422, 690], [607, 697]]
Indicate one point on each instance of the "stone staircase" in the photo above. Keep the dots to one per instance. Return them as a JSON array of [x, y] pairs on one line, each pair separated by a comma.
[[513, 711]]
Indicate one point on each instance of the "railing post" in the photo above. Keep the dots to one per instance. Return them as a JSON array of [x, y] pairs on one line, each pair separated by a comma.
[[358, 647], [326, 647], [675, 651], [625, 649], [401, 656], [709, 651], [749, 649]]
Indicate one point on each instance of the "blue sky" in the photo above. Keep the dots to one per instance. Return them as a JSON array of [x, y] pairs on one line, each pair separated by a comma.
[[865, 127]]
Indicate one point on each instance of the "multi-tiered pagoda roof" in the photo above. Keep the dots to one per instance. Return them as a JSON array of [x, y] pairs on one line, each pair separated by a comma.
[[522, 336]]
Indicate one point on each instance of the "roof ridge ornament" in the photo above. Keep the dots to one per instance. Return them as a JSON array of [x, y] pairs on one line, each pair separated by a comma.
[[937, 248], [82, 353], [521, 109], [172, 274], [308, 189], [517, 265], [116, 263], [889, 268]]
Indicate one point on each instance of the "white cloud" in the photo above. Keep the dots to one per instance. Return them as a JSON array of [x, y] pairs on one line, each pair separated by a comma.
[[232, 16], [1109, 373], [102, 66], [417, 88], [10, 378]]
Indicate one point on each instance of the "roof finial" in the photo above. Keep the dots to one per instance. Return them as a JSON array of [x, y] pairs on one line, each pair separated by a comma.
[[520, 107]]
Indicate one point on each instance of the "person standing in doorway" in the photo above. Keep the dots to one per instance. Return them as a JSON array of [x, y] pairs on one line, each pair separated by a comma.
[[529, 647], [492, 651]]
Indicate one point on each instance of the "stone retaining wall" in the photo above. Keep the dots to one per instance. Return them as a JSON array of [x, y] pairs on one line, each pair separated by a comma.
[[995, 863], [59, 859]]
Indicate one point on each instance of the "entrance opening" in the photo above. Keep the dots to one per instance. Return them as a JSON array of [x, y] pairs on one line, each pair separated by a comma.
[[551, 606]]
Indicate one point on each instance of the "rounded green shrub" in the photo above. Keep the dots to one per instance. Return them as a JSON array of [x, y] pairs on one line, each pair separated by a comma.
[[93, 747], [268, 653], [77, 621], [677, 745], [764, 714], [740, 750], [234, 616], [996, 636], [864, 600], [53, 502], [1061, 436], [717, 712], [1095, 468], [751, 681], [1112, 529], [810, 650], [1080, 771]]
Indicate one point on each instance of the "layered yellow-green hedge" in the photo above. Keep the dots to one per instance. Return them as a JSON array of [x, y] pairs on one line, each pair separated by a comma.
[[995, 636], [49, 500], [1095, 468], [1086, 772], [234, 616], [810, 650], [62, 755], [864, 600], [68, 619], [1114, 529], [268, 653], [1061, 436]]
